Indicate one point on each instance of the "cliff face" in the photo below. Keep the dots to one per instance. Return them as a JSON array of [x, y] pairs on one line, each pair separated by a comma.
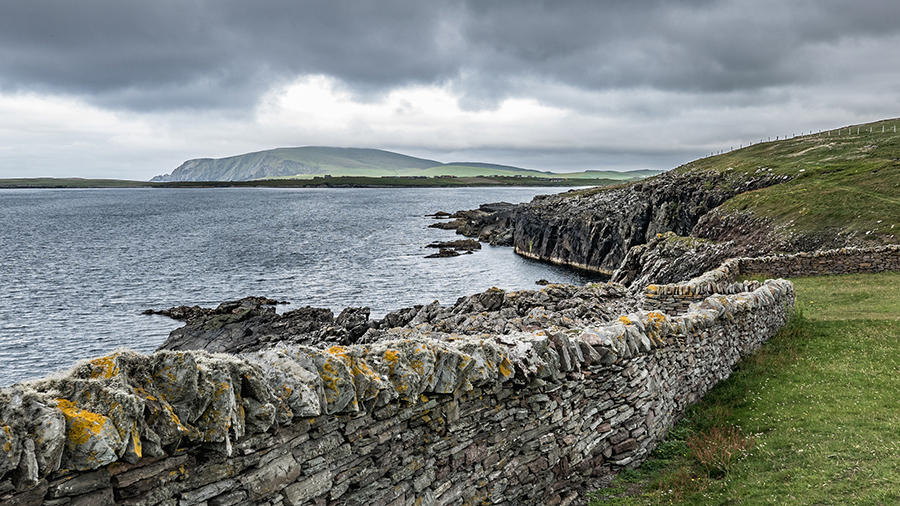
[[595, 229], [237, 168]]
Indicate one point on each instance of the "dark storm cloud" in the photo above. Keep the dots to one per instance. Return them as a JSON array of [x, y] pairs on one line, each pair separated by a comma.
[[192, 54]]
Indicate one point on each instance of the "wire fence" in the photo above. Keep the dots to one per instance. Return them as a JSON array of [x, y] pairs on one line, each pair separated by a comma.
[[844, 131]]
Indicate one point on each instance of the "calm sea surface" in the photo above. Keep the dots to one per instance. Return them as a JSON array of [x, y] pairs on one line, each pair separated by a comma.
[[77, 267]]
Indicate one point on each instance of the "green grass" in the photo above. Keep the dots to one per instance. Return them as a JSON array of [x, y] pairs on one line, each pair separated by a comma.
[[846, 182], [819, 401], [854, 297]]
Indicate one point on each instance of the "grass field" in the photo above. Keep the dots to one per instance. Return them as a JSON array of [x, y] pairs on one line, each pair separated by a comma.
[[812, 418], [843, 180]]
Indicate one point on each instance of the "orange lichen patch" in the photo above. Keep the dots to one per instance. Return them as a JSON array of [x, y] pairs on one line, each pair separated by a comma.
[[357, 367], [391, 356], [655, 323], [625, 320], [7, 446], [656, 317], [104, 367], [330, 378], [139, 390], [392, 359], [217, 415], [136, 440], [82, 424], [505, 368], [417, 364]]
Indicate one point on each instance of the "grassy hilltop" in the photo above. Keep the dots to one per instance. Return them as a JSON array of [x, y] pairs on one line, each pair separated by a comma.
[[841, 181]]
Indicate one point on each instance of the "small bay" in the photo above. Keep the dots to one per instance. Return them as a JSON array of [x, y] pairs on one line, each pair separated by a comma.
[[77, 267]]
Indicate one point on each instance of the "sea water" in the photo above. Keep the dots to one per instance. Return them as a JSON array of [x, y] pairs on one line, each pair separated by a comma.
[[78, 267]]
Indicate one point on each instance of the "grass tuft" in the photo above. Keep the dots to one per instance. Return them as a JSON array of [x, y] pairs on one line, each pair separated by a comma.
[[717, 450]]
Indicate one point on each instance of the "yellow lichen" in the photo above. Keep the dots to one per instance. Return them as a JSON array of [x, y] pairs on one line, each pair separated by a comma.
[[391, 356], [82, 424], [625, 320], [136, 440], [357, 367], [7, 447], [506, 368], [329, 381], [104, 367]]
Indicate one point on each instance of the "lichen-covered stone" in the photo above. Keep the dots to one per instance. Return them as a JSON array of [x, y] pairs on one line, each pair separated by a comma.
[[176, 378], [47, 428], [293, 380], [91, 438], [337, 381], [10, 450]]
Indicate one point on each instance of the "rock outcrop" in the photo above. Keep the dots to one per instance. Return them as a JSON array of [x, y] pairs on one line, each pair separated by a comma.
[[669, 258], [490, 223], [595, 229], [192, 312], [246, 326]]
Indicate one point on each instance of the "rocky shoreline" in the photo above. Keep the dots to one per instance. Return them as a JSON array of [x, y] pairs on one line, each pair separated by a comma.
[[251, 324]]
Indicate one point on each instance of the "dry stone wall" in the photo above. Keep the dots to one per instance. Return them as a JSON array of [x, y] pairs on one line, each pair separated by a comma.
[[677, 298], [512, 419]]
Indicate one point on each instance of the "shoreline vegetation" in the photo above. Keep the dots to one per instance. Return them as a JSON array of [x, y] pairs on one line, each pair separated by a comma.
[[316, 182]]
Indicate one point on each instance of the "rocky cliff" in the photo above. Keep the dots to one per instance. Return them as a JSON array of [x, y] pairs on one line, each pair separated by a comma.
[[595, 229]]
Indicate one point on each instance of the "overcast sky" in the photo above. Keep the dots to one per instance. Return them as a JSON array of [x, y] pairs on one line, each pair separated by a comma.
[[106, 88]]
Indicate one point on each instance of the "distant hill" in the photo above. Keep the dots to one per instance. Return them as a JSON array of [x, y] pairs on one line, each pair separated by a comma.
[[311, 161]]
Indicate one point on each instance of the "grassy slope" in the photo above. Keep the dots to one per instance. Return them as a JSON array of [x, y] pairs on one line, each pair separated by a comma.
[[819, 400], [843, 180]]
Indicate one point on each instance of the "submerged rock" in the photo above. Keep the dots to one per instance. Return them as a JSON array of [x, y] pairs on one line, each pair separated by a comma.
[[460, 245], [444, 253]]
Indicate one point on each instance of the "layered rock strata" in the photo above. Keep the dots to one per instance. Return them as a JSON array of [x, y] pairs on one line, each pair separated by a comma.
[[519, 418], [594, 229]]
